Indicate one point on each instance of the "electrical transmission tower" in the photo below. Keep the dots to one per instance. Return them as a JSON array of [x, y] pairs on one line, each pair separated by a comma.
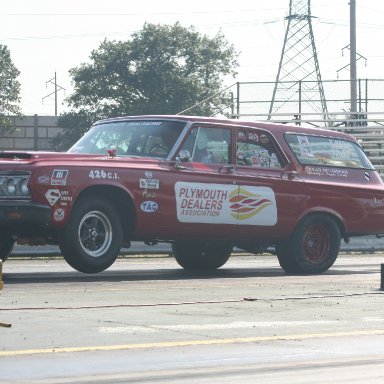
[[298, 87]]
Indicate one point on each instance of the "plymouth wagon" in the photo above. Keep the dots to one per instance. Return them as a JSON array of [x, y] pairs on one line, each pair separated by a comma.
[[204, 185]]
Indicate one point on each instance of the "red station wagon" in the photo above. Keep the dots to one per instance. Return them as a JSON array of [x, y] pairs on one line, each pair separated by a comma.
[[204, 185]]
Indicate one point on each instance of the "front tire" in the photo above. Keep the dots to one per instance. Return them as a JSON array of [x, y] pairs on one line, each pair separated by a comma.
[[313, 246], [92, 239], [201, 256]]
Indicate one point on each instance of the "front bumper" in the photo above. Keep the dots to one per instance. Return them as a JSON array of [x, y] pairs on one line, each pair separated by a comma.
[[21, 213]]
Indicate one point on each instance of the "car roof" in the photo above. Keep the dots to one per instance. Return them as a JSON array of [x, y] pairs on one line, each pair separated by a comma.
[[276, 128]]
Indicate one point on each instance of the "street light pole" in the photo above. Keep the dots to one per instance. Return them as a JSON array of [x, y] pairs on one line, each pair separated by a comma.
[[352, 33]]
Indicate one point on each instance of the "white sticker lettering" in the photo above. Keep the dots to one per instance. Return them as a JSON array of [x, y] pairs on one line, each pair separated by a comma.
[[149, 183], [225, 204]]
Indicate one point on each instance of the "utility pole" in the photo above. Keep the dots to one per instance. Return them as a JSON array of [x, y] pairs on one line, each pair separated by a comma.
[[56, 89], [352, 38]]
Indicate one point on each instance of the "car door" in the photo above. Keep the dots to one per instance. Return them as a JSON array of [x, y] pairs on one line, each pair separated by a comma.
[[271, 194], [199, 187]]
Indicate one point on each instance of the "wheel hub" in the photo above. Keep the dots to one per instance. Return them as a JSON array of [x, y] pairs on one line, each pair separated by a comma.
[[93, 233], [316, 243]]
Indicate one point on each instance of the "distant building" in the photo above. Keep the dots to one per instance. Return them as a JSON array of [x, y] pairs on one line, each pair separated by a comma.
[[30, 133]]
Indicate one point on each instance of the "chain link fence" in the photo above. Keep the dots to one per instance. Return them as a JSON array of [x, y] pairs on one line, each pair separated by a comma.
[[253, 100]]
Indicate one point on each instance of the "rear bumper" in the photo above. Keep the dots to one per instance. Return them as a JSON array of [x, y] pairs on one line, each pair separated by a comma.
[[21, 213]]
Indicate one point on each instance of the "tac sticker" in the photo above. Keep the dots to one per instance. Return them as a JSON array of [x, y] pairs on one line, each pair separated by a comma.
[[149, 183], [59, 177], [43, 179], [149, 206], [53, 195], [59, 214], [148, 174]]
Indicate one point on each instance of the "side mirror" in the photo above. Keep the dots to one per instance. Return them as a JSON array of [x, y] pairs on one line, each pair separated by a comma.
[[184, 157]]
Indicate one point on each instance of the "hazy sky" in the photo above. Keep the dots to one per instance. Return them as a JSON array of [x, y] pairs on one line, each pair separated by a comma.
[[45, 36]]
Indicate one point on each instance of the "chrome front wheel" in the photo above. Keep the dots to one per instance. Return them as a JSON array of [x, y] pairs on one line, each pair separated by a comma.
[[93, 236]]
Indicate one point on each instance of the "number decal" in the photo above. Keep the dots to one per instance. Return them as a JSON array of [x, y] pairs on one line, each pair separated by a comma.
[[102, 174]]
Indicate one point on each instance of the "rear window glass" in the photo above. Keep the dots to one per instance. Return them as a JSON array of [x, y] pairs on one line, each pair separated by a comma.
[[329, 151]]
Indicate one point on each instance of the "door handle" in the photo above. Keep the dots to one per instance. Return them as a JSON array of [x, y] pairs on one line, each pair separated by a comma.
[[291, 175]]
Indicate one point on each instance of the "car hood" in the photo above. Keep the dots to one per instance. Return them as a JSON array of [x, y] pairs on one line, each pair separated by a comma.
[[31, 157]]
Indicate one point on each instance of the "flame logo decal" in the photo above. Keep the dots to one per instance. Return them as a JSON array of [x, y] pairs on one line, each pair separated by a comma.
[[245, 204]]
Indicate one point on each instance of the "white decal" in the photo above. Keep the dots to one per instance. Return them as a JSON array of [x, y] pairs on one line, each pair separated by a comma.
[[148, 195], [59, 177], [252, 136], [305, 148], [148, 174], [149, 183], [225, 204], [149, 206], [43, 179], [59, 214], [65, 196], [322, 171], [52, 195], [102, 174]]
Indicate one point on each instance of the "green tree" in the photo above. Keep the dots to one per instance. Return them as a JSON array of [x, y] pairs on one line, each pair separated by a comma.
[[162, 69], [9, 89]]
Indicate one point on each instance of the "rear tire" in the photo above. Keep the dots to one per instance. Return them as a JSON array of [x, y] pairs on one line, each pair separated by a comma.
[[92, 239], [313, 246], [201, 256]]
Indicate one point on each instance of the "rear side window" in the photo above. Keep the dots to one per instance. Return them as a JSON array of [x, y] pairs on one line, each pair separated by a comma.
[[329, 151], [257, 149]]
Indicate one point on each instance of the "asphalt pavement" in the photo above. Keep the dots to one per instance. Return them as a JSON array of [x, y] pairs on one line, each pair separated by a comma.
[[145, 320]]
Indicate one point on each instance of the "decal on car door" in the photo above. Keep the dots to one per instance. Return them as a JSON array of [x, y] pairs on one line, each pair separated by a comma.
[[225, 204]]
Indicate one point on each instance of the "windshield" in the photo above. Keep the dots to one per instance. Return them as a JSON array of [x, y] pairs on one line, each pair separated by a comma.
[[322, 150], [131, 138]]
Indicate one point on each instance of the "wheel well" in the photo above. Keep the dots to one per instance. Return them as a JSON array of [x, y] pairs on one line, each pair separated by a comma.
[[332, 216], [120, 199]]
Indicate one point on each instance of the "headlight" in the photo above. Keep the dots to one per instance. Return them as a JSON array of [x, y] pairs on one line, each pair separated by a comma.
[[11, 187], [14, 184], [23, 186]]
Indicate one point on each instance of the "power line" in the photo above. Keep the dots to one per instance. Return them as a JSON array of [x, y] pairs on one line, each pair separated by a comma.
[[144, 13]]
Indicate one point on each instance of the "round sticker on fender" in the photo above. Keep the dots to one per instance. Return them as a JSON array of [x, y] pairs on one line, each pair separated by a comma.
[[59, 214], [149, 206]]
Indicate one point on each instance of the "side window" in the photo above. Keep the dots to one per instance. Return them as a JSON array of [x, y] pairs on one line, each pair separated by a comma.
[[322, 150], [257, 149], [209, 145]]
